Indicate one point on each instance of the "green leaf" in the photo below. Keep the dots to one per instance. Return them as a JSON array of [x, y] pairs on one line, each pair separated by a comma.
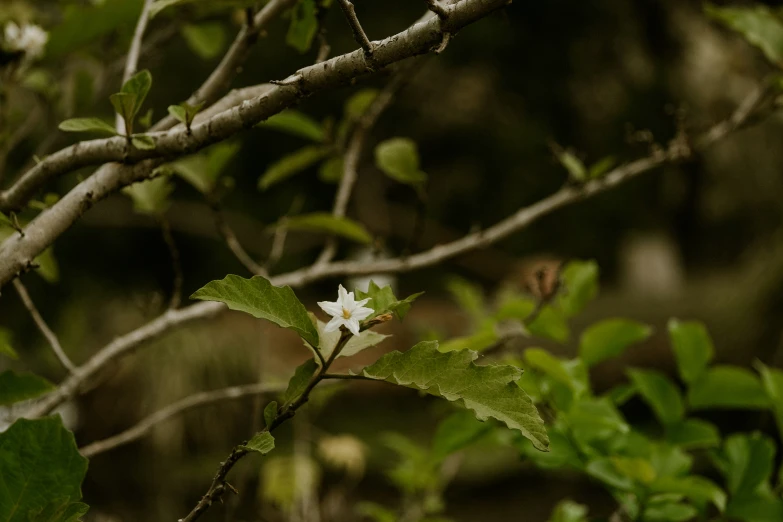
[[484, 337], [569, 511], [489, 391], [660, 393], [259, 298], [329, 224], [383, 300], [327, 341], [456, 432], [146, 120], [571, 373], [270, 413], [204, 169], [550, 324], [746, 462], [143, 142], [292, 164], [359, 102], [60, 510], [150, 197], [48, 268], [304, 25], [692, 347], [296, 123], [159, 5], [580, 282], [576, 169], [375, 512], [699, 489], [299, 381], [693, 434], [5, 344], [727, 387], [755, 508], [124, 104], [601, 167], [87, 125], [40, 464], [621, 394], [15, 387], [398, 158], [610, 338], [669, 512], [468, 296], [772, 380], [206, 40], [604, 469], [331, 170], [262, 442], [758, 24], [596, 419], [139, 85], [178, 113]]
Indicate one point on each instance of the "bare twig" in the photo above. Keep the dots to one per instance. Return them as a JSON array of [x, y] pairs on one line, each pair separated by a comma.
[[176, 263], [132, 61], [232, 242], [196, 400], [44, 328], [358, 33], [435, 7]]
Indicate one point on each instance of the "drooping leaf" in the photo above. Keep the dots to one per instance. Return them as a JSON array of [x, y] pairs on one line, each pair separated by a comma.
[[143, 142], [150, 197], [328, 341], [610, 338], [580, 281], [296, 123], [746, 462], [206, 40], [15, 387], [569, 511], [772, 380], [727, 387], [489, 391], [456, 432], [138, 85], [692, 347], [87, 125], [330, 224], [398, 158], [40, 464], [262, 442], [5, 344], [270, 413], [304, 25], [693, 434], [758, 24], [660, 393], [382, 300], [299, 381], [259, 298], [292, 164], [359, 102]]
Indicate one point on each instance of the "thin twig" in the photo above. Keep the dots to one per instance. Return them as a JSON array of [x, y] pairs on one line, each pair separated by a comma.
[[196, 400], [232, 242], [132, 61], [176, 263], [281, 233], [435, 7], [358, 33], [43, 327]]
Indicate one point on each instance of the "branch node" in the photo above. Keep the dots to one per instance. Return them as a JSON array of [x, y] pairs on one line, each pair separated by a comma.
[[443, 43], [435, 7]]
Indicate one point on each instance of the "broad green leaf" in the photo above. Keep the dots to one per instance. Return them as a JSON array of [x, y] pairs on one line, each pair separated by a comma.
[[660, 393], [59, 510], [304, 25], [296, 123], [178, 113], [124, 104], [576, 169], [610, 338], [468, 296], [515, 308], [692, 347], [580, 281], [299, 381], [331, 170], [550, 324], [375, 512], [693, 434], [596, 419], [270, 413], [143, 142], [150, 197], [755, 508], [746, 462], [87, 125], [292, 164], [206, 40], [456, 432], [727, 387], [383, 300], [758, 24], [669, 461], [327, 341], [330, 224], [698, 489], [138, 85], [569, 511], [259, 298], [40, 464], [5, 344], [669, 512], [358, 104], [398, 158], [15, 387], [638, 469], [262, 442], [203, 170], [571, 373], [772, 379], [604, 469], [621, 394], [489, 391]]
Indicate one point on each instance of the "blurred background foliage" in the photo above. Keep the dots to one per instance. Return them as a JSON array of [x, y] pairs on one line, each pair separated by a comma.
[[604, 80]]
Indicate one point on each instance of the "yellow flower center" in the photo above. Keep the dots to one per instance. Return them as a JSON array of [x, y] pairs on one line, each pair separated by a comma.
[[346, 314]]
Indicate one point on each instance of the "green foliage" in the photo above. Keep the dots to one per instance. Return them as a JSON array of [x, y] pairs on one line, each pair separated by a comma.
[[42, 472], [398, 158], [270, 413], [375, 512], [468, 296], [83, 24], [331, 170], [660, 393], [262, 442], [184, 113], [569, 511], [5, 344], [87, 125], [382, 300], [150, 197], [143, 142], [489, 391], [259, 298], [131, 97], [727, 387], [204, 169], [15, 387], [292, 164], [693, 434], [580, 282], [304, 25], [330, 224], [297, 124], [456, 432], [575, 167], [299, 381], [358, 104], [206, 40], [610, 338], [746, 462], [692, 347], [758, 24], [772, 379]]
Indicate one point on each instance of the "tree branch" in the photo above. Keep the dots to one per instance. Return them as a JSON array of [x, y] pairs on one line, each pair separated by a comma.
[[233, 243], [47, 332], [356, 27], [132, 61]]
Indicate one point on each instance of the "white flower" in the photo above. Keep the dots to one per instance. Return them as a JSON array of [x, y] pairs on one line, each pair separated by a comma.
[[29, 39], [346, 311]]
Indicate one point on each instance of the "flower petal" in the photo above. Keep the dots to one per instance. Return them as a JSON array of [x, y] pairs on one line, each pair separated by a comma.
[[362, 313], [363, 301], [342, 295], [353, 325], [334, 324], [333, 309]]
